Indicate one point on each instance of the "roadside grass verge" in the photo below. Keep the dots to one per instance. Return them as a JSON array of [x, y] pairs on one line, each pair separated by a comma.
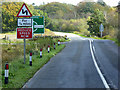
[[0, 66], [104, 38], [20, 73], [10, 33], [0, 77]]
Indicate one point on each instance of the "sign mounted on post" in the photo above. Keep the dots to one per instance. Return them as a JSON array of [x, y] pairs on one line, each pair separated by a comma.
[[24, 33], [38, 24], [24, 11], [101, 28], [24, 22]]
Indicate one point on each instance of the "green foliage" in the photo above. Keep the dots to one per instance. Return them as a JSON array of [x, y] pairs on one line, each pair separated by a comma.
[[16, 68], [106, 37], [9, 13], [95, 20], [85, 7], [69, 25], [101, 2], [57, 10], [67, 17]]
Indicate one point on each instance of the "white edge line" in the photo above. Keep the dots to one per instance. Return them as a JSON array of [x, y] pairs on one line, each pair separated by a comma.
[[98, 70], [94, 49]]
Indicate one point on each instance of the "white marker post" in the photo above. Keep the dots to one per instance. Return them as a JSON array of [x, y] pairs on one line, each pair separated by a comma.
[[48, 48], [58, 42], [6, 73], [41, 53], [30, 58]]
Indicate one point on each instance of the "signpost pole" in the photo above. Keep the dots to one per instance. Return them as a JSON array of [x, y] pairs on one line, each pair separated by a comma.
[[24, 51], [24, 33], [101, 34], [101, 28]]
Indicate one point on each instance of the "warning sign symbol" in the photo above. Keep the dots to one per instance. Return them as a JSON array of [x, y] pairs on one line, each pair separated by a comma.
[[24, 11]]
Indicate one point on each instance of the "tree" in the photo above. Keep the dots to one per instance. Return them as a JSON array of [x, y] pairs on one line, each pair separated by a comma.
[[33, 4], [101, 2], [9, 13], [95, 20]]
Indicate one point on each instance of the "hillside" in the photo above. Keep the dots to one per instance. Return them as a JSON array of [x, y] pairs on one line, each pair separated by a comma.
[[85, 17]]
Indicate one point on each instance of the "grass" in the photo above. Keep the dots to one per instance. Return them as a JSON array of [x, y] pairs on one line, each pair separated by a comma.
[[0, 77], [113, 39], [116, 41], [89, 37], [20, 73], [10, 33]]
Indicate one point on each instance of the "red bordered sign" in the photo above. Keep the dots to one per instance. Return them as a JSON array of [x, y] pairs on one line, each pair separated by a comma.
[[24, 33], [24, 11]]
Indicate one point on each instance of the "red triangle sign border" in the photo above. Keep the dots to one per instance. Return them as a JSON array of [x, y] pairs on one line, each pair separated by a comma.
[[21, 9]]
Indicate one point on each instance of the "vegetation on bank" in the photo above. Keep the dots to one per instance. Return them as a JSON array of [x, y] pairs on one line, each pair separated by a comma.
[[85, 17], [99, 38], [20, 73]]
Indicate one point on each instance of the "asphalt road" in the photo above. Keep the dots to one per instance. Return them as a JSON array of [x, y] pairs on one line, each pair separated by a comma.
[[83, 63]]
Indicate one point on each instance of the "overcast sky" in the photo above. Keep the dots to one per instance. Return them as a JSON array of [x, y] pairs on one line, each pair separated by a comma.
[[74, 2]]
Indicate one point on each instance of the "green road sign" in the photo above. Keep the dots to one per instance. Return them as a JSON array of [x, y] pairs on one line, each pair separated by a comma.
[[38, 24]]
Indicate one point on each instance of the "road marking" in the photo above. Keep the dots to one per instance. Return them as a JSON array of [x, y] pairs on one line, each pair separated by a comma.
[[98, 70], [94, 49], [92, 41]]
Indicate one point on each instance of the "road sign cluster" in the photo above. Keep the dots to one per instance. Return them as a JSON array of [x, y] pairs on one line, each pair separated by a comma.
[[28, 26]]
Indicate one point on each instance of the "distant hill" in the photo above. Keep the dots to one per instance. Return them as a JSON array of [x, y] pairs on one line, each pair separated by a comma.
[[56, 10]]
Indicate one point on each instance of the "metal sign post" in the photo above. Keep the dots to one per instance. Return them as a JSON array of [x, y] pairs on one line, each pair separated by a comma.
[[24, 51], [101, 28], [101, 34], [24, 33]]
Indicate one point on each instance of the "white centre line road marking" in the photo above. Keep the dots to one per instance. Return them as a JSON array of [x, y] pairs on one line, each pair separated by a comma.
[[98, 70]]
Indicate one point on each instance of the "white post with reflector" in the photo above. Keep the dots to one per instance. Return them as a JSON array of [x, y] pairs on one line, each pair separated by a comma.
[[48, 48], [41, 53], [30, 58], [58, 42], [6, 73]]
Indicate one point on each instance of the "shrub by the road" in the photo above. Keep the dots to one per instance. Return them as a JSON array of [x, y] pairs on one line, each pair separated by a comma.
[[20, 73]]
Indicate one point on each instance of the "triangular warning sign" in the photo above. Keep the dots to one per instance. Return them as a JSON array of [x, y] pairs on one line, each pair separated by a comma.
[[24, 11]]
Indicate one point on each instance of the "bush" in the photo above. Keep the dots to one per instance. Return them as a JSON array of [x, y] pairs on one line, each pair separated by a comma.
[[85, 32], [107, 37], [76, 32]]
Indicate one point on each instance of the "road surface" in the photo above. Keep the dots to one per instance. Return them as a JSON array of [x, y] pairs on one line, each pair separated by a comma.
[[84, 63]]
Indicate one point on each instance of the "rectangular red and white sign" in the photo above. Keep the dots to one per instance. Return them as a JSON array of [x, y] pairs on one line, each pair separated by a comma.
[[24, 33]]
